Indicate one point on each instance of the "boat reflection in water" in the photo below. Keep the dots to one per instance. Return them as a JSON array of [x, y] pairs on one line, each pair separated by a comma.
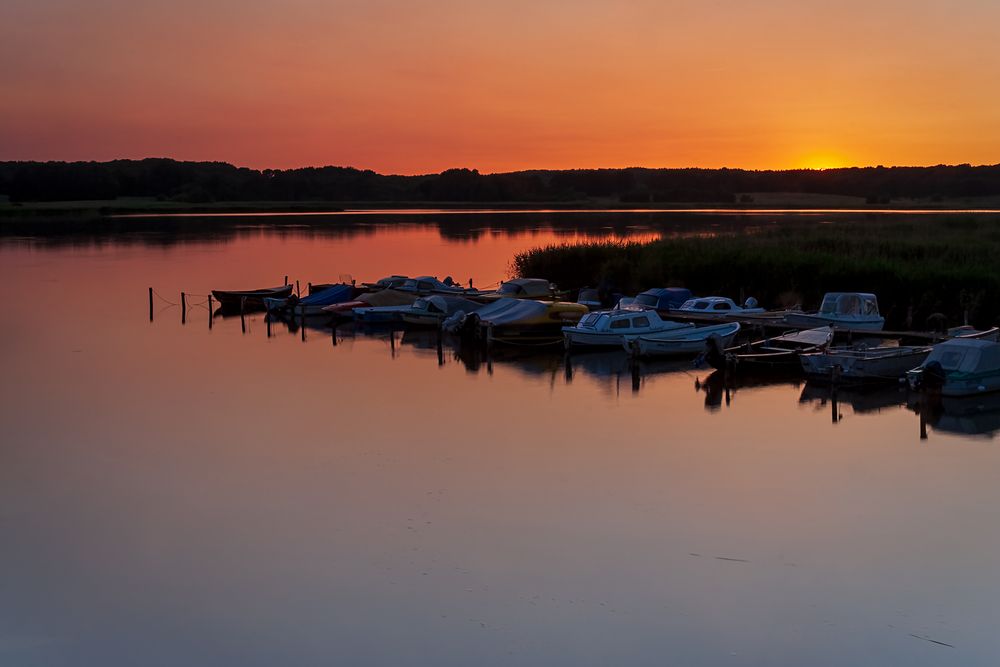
[[970, 416], [862, 399], [721, 386]]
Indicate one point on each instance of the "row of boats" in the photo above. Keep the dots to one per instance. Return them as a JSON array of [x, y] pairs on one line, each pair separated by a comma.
[[660, 322]]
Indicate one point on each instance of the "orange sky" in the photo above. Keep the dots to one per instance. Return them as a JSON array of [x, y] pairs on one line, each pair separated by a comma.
[[412, 87]]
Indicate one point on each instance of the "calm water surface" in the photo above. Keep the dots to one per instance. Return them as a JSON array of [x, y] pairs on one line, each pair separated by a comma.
[[171, 494]]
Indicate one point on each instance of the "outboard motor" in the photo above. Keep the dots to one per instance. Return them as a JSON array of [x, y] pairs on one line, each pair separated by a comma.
[[750, 303], [933, 376], [453, 323], [715, 353]]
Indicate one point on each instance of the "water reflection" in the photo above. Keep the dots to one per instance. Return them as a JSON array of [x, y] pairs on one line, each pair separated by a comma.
[[261, 493]]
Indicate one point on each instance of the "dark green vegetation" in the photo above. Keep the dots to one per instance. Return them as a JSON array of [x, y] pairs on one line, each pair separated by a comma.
[[927, 264], [169, 181]]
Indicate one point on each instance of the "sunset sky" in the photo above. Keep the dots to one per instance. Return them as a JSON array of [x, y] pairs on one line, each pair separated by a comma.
[[415, 87]]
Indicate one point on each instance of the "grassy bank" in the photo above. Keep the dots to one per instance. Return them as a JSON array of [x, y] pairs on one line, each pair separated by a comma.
[[931, 266]]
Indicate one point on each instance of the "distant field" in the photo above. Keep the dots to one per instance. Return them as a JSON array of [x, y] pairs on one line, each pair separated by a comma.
[[918, 266], [767, 200]]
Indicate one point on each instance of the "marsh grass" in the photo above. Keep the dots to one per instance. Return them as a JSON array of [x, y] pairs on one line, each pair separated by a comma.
[[930, 265]]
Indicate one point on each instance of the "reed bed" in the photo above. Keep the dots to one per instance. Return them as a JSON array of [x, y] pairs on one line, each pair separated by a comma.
[[917, 267]]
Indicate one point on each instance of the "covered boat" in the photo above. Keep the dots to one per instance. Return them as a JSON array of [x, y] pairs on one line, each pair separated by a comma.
[[844, 310], [312, 304], [368, 300], [425, 285], [663, 298], [687, 339], [235, 299], [959, 367], [778, 354], [863, 364], [431, 310], [611, 328], [518, 320], [521, 288]]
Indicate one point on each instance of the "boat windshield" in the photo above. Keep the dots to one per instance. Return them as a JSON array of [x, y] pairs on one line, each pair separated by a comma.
[[646, 300], [829, 306], [589, 320]]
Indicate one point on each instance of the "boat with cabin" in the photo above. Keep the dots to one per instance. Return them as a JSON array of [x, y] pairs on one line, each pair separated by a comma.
[[718, 307], [611, 328], [959, 367], [521, 288], [844, 310]]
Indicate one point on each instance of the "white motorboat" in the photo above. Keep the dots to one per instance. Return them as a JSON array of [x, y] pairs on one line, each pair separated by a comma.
[[611, 328], [718, 307], [689, 340], [844, 310]]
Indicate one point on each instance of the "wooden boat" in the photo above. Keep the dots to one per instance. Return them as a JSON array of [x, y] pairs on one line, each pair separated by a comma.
[[844, 310], [690, 340], [234, 299], [612, 328], [959, 367], [778, 354], [883, 363]]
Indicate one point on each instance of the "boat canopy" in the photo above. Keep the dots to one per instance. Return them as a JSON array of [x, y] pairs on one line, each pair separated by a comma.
[[663, 298], [335, 294], [526, 288], [511, 311], [447, 305], [849, 303], [966, 355], [388, 297]]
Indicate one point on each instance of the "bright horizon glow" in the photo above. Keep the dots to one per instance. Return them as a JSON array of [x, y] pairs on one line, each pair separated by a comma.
[[502, 86]]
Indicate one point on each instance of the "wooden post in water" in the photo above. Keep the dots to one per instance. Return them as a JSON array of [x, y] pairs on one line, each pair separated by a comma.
[[211, 315], [150, 304], [267, 320], [440, 348], [298, 292], [333, 334], [243, 319], [183, 308], [286, 280]]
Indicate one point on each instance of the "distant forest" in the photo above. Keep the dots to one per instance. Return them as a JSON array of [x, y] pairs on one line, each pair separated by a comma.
[[201, 182]]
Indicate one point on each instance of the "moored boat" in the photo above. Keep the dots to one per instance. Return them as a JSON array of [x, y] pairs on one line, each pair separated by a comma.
[[778, 354], [863, 364], [688, 340], [312, 304], [234, 299], [844, 310], [611, 328], [717, 307], [518, 320], [431, 310], [959, 367]]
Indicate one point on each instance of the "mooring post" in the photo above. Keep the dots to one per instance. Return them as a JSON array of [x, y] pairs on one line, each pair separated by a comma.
[[298, 292], [150, 304], [183, 308], [333, 334], [309, 288], [267, 321], [440, 348], [286, 280], [211, 315], [243, 319]]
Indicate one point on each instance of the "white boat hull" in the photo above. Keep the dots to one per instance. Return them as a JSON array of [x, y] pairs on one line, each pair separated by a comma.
[[688, 342], [813, 320], [876, 364]]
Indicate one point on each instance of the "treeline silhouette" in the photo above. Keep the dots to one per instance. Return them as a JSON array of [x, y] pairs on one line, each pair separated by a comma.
[[201, 182]]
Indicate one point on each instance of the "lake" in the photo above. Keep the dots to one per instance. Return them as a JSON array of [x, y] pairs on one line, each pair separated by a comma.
[[174, 493]]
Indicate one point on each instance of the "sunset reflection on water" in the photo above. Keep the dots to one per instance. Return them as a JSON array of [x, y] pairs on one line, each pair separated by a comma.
[[174, 494]]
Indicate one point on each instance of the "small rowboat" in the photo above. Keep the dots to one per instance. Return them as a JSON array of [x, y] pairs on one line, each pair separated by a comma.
[[234, 299]]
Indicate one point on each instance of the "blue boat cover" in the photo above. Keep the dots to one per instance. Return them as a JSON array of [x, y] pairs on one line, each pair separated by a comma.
[[330, 296], [664, 298]]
